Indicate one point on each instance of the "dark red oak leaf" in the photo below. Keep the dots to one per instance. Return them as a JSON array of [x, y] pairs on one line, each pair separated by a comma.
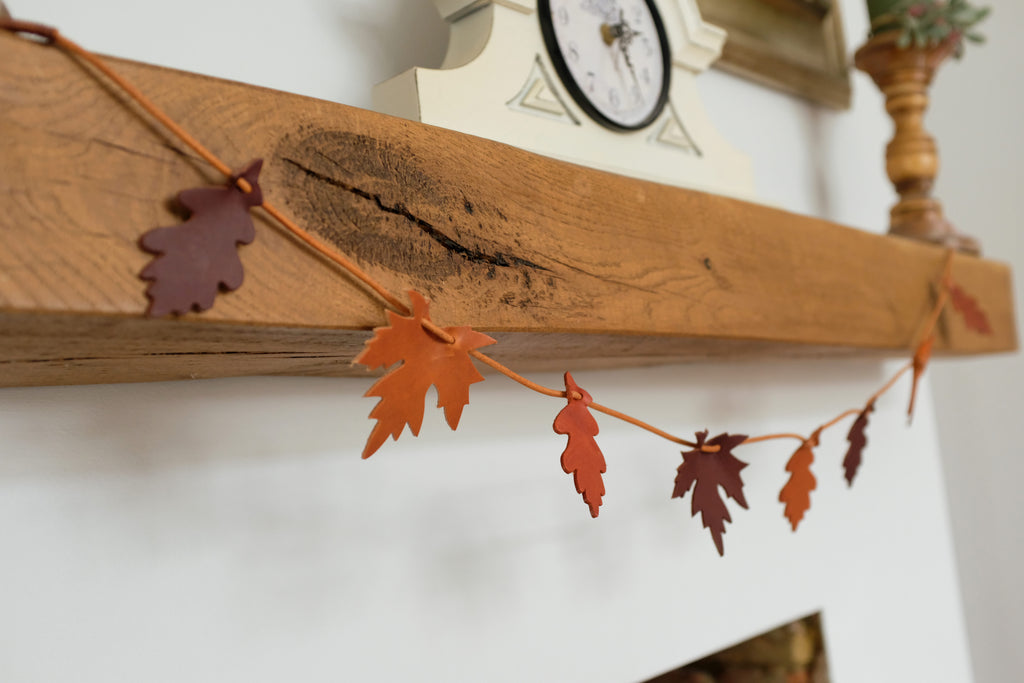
[[796, 494], [199, 258], [858, 440], [709, 471], [581, 458], [425, 360], [921, 357], [967, 306]]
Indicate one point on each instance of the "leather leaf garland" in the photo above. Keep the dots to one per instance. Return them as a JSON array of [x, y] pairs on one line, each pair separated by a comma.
[[705, 473], [425, 360], [195, 260], [796, 494], [858, 440], [199, 258], [967, 306], [581, 458], [921, 357]]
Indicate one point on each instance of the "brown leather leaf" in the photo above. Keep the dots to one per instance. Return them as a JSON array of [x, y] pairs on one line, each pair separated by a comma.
[[796, 494], [709, 471], [199, 258], [425, 360], [967, 306], [858, 440], [581, 458], [921, 357]]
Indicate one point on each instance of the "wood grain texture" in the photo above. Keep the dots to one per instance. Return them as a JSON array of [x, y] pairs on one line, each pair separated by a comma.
[[561, 264]]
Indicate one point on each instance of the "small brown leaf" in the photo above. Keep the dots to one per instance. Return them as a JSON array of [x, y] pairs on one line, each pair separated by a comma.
[[709, 471], [796, 494], [858, 440], [426, 360], [581, 458], [921, 357], [967, 306], [198, 258]]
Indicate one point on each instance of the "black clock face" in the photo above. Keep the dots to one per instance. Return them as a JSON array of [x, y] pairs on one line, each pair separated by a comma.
[[612, 55]]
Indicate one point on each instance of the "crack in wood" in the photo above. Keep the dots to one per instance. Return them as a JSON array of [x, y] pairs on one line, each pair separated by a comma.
[[475, 256]]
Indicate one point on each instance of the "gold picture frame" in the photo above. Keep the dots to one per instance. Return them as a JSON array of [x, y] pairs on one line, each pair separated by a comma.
[[796, 46]]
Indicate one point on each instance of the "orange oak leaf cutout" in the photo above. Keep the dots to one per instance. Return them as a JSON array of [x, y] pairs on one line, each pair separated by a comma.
[[425, 360], [921, 357], [858, 440], [796, 494], [581, 458], [967, 306], [199, 258], [710, 471]]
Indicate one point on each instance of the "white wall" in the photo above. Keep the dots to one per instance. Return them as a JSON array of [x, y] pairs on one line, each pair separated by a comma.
[[977, 110], [228, 531]]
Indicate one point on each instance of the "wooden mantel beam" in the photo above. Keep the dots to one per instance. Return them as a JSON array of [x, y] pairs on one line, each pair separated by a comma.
[[566, 266]]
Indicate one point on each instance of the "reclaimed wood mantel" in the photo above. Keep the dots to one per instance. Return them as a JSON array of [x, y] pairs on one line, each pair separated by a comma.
[[565, 266]]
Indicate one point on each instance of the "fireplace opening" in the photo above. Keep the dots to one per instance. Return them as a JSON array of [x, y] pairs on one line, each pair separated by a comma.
[[791, 653]]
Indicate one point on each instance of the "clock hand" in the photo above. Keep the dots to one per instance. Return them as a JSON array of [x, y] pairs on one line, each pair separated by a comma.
[[624, 48], [620, 31], [612, 32], [625, 34]]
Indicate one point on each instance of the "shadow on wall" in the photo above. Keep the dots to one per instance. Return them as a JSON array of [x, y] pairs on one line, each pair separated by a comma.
[[397, 40]]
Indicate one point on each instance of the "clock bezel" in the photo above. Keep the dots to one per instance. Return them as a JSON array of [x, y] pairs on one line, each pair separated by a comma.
[[547, 28]]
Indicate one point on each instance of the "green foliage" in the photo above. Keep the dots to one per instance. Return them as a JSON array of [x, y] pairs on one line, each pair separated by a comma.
[[924, 23]]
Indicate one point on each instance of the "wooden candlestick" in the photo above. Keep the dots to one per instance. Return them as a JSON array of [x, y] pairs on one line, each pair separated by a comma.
[[912, 161]]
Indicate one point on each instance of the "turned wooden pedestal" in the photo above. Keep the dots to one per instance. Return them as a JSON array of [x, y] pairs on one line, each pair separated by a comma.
[[912, 162]]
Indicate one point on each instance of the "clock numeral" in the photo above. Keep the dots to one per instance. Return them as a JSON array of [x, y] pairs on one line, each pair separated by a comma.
[[563, 16], [574, 52], [614, 99]]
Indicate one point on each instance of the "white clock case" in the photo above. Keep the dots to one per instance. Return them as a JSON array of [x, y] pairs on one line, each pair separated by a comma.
[[497, 81]]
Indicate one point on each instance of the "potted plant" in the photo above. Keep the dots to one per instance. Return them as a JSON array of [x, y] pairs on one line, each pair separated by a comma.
[[923, 23], [909, 40]]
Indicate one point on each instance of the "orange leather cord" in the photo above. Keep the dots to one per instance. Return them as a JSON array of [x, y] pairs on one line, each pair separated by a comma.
[[772, 437], [940, 303], [839, 418], [891, 383], [54, 37]]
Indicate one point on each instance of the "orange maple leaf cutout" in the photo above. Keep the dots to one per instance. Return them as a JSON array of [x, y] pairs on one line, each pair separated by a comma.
[[581, 458], [796, 494], [967, 306], [425, 360], [921, 357]]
